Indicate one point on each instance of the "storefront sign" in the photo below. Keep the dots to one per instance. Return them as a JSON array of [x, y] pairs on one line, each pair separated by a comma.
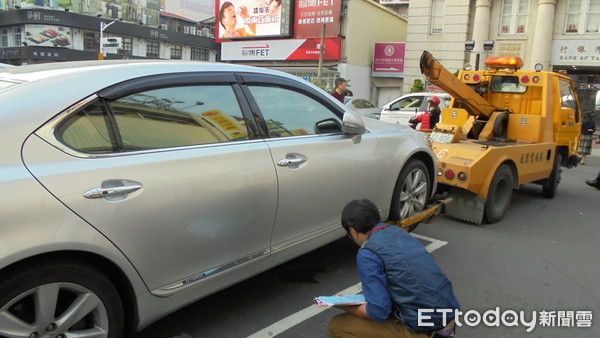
[[576, 52], [388, 59], [288, 49]]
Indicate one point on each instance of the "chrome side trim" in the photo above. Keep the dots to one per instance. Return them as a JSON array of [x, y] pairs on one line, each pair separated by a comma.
[[289, 244], [172, 288]]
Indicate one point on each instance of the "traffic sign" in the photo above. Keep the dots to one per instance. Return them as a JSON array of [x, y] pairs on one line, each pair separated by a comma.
[[114, 42]]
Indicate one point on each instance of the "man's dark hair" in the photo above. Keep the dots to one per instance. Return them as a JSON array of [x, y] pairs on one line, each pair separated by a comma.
[[223, 7], [339, 81], [361, 215]]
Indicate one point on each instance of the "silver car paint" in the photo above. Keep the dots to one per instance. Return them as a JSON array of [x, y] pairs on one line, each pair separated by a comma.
[[137, 236]]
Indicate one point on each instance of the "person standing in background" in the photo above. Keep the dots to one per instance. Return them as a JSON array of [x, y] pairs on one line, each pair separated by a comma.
[[588, 127], [340, 89]]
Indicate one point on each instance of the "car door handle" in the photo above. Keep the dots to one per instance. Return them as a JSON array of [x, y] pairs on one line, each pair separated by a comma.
[[290, 161], [112, 191]]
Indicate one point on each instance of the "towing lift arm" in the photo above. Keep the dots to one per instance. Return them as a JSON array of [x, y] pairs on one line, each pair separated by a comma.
[[463, 94]]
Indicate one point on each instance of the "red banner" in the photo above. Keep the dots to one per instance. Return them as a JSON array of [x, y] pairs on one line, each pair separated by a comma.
[[311, 15]]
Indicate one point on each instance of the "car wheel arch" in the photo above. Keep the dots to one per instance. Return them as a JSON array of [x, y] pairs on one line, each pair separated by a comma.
[[111, 270]]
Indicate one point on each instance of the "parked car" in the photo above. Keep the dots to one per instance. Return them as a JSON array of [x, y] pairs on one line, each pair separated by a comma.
[[6, 65], [363, 107], [405, 107], [132, 188]]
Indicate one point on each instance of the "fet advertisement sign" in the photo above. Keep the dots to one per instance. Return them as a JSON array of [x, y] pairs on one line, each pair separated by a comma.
[[288, 49], [388, 59], [311, 15]]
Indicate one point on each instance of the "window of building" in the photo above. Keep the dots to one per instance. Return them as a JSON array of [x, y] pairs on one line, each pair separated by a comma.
[[583, 16], [4, 37], [152, 49], [199, 54], [437, 17], [18, 36], [176, 52], [513, 19], [91, 41], [126, 46]]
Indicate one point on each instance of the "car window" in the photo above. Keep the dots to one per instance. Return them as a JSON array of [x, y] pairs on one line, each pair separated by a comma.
[[368, 104], [160, 118], [289, 113], [507, 84], [87, 130], [408, 103]]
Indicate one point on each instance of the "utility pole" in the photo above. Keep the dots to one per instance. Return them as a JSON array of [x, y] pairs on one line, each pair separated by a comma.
[[321, 56]]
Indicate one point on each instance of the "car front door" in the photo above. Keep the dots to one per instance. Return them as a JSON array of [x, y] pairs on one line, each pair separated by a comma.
[[171, 175], [319, 168]]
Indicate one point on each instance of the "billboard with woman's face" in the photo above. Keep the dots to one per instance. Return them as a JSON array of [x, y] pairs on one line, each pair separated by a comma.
[[240, 19]]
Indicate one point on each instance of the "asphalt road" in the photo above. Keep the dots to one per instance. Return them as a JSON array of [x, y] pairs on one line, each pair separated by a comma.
[[543, 256]]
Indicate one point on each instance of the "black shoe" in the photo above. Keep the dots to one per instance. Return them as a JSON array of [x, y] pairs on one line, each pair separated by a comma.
[[593, 184]]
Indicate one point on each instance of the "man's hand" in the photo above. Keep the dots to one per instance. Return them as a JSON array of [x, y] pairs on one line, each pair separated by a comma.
[[357, 310]]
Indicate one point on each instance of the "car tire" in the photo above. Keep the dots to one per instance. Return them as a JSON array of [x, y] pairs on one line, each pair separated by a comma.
[[34, 299], [550, 185], [499, 194], [412, 191]]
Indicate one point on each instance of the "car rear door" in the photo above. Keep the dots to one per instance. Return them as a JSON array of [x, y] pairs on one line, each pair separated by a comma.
[[170, 170], [319, 168]]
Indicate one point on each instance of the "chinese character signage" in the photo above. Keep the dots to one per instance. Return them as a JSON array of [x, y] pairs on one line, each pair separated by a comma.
[[388, 59], [576, 52], [311, 15], [249, 19]]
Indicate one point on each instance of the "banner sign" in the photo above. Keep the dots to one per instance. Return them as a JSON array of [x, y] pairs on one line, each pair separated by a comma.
[[388, 59], [288, 49], [311, 15], [249, 19]]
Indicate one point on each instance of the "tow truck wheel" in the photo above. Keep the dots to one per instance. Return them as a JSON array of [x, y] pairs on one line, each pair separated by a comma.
[[411, 193], [550, 185], [499, 195]]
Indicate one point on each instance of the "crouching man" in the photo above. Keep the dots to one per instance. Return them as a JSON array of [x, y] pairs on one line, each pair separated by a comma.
[[398, 278]]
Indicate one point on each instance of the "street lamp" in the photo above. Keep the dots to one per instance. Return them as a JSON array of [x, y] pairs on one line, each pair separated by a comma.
[[103, 26]]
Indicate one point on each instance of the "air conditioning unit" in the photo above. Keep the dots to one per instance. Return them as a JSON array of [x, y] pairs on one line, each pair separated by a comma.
[[163, 26]]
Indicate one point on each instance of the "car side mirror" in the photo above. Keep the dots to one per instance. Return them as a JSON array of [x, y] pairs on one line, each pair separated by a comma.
[[353, 124]]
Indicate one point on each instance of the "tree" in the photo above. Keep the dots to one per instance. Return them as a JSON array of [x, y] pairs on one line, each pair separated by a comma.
[[417, 87]]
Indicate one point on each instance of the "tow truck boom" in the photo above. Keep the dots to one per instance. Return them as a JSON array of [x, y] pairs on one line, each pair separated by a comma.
[[464, 95]]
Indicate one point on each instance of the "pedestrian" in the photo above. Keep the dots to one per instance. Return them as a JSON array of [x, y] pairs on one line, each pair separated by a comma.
[[588, 127], [340, 89], [399, 277], [434, 110], [424, 119], [594, 183]]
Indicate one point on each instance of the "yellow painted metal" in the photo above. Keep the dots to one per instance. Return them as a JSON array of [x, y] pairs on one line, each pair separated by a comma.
[[425, 216]]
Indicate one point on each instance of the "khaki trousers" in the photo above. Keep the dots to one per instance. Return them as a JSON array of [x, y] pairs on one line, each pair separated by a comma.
[[348, 325]]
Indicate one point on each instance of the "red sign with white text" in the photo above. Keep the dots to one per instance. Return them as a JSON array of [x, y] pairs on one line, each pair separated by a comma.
[[311, 15]]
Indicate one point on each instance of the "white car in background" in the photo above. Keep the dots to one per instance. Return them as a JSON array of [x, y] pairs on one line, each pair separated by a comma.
[[400, 110]]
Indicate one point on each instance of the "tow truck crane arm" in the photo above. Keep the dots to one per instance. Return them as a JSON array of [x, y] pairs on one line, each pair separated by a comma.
[[462, 93]]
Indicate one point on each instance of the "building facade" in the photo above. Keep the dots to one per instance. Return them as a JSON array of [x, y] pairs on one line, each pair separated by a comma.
[[290, 39], [49, 31], [562, 35]]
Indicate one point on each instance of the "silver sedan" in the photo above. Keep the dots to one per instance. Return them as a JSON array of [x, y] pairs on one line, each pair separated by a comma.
[[130, 189]]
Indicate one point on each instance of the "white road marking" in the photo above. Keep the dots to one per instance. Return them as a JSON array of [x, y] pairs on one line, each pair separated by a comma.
[[313, 310]]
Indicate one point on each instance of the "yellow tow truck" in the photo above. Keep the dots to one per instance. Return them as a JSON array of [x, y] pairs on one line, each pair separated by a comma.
[[505, 127]]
